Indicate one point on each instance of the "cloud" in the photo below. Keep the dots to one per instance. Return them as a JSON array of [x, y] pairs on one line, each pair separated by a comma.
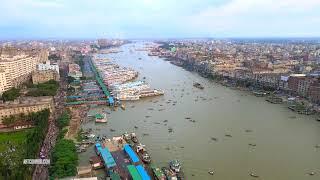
[[254, 16], [160, 18]]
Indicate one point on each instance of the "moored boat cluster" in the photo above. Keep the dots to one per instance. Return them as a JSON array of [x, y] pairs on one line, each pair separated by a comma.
[[120, 81], [125, 157]]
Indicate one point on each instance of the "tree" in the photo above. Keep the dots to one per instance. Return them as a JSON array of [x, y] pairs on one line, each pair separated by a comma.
[[11, 94], [11, 166], [48, 88], [64, 120], [64, 159], [9, 120]]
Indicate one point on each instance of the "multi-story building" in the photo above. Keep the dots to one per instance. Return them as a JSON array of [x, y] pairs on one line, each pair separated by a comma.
[[25, 105], [314, 91], [44, 76], [293, 82], [47, 66], [17, 69], [75, 71], [3, 81], [304, 85], [283, 83], [267, 79], [301, 85]]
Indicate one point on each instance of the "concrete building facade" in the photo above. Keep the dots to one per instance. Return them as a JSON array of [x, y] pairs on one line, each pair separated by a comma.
[[16, 70], [44, 76], [25, 105], [47, 66], [3, 81]]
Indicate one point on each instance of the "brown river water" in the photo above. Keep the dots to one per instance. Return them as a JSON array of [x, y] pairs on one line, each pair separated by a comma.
[[225, 122]]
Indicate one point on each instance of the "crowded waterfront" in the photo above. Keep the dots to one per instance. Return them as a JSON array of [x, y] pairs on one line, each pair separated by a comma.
[[217, 142], [117, 79]]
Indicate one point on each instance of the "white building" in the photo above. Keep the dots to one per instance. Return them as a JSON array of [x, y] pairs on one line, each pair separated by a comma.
[[47, 66]]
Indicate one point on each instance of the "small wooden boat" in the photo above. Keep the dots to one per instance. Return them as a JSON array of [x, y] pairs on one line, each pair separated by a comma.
[[211, 172], [254, 175]]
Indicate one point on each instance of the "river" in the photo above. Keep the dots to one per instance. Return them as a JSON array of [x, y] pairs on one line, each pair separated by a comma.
[[285, 141]]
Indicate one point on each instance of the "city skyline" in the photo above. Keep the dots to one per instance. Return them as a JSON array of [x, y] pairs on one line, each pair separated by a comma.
[[158, 19]]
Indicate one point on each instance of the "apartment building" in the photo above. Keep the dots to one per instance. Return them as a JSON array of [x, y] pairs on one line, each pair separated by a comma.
[[314, 91], [44, 76], [16, 65], [75, 71], [304, 86], [3, 81], [16, 70], [48, 66]]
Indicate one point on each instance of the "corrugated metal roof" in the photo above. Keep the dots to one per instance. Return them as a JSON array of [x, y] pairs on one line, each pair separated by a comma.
[[131, 153], [107, 158], [134, 172], [98, 147], [143, 173]]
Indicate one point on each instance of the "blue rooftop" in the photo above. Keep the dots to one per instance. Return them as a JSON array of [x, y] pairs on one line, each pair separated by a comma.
[[131, 153], [143, 173], [98, 147], [107, 158]]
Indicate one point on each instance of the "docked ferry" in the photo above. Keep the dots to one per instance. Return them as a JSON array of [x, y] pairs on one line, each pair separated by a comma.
[[101, 118]]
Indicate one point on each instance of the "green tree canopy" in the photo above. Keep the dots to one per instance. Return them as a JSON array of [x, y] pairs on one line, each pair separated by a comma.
[[11, 94]]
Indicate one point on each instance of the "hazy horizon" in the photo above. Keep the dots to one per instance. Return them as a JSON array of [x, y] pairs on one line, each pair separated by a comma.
[[154, 19]]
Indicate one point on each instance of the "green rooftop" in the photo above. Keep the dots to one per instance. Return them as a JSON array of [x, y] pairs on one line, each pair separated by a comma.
[[134, 172], [99, 116]]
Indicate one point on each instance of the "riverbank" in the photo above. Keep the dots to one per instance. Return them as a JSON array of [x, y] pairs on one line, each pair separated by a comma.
[[307, 107]]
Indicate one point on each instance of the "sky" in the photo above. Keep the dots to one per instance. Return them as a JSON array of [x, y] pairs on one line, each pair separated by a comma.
[[158, 18]]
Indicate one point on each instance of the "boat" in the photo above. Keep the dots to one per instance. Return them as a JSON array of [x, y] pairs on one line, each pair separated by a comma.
[[142, 153], [254, 175], [90, 136], [175, 165], [123, 107], [198, 85], [126, 136], [274, 99], [311, 173], [127, 97], [152, 54], [171, 175], [158, 173], [145, 157], [101, 118], [134, 138], [259, 93]]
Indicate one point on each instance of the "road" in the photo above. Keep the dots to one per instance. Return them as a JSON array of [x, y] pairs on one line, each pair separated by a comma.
[[41, 172]]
